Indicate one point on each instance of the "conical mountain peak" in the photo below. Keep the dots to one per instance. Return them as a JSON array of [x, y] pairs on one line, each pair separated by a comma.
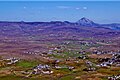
[[85, 22]]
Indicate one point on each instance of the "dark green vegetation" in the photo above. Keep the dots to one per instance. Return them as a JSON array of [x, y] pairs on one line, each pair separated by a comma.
[[26, 64]]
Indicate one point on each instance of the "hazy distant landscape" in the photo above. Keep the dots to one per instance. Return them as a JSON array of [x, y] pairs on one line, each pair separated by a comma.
[[57, 49]]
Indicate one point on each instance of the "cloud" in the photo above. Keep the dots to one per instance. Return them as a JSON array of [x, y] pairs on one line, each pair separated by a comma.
[[24, 7], [63, 7], [77, 8], [85, 8]]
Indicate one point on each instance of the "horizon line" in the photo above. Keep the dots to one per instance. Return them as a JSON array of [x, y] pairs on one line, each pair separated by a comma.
[[53, 21], [56, 0]]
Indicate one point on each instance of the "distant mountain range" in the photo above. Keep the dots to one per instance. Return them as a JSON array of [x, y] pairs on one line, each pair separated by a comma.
[[83, 28], [83, 22]]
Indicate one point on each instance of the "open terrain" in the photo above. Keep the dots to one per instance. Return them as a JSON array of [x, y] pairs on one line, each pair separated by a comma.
[[57, 50]]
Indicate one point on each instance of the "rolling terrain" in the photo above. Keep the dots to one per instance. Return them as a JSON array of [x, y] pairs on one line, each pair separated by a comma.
[[65, 48]]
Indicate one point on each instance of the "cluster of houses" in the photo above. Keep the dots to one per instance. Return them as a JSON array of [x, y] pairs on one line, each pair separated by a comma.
[[46, 69], [117, 77], [115, 60], [11, 60], [8, 61], [42, 69], [85, 43], [83, 57], [67, 67], [90, 66], [101, 52], [103, 62], [31, 52], [39, 69]]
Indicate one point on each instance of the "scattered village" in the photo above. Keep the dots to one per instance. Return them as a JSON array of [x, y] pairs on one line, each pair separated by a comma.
[[68, 58], [60, 63]]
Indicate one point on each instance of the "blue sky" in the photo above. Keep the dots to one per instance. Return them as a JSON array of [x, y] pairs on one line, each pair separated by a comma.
[[98, 11]]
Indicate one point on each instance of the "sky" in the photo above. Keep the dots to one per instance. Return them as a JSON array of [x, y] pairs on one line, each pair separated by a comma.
[[98, 11]]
